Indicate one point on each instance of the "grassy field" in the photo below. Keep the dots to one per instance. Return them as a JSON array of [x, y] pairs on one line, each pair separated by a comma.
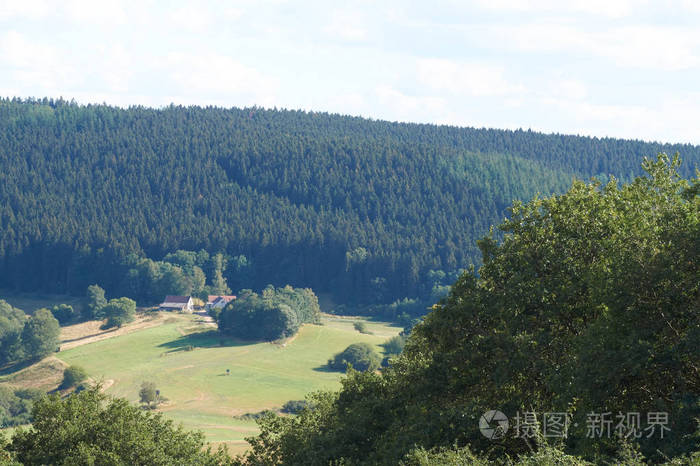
[[188, 360]]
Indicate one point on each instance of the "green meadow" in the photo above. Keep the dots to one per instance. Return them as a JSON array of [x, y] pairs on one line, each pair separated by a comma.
[[188, 362]]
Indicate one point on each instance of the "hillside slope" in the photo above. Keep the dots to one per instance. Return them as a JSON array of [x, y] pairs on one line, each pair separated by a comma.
[[361, 208]]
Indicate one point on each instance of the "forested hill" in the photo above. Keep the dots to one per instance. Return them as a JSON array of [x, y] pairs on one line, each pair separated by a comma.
[[363, 208]]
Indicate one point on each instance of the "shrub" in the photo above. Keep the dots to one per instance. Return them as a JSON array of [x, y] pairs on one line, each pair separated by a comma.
[[394, 345], [362, 328], [294, 406], [148, 395], [118, 312], [361, 356], [64, 313], [72, 376], [276, 313]]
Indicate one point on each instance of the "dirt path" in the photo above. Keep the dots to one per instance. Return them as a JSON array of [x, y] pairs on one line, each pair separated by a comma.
[[206, 318], [73, 337]]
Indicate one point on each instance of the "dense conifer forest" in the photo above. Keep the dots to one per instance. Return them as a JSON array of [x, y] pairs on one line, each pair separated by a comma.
[[371, 211]]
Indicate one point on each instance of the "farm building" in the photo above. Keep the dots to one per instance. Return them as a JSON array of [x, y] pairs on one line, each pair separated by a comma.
[[177, 303], [218, 301]]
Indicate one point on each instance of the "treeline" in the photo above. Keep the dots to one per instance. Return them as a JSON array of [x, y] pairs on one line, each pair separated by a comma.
[[179, 273], [581, 326], [26, 338], [363, 209], [16, 405], [276, 313]]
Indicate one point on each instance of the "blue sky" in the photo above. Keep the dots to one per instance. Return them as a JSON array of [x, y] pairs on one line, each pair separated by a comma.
[[605, 68]]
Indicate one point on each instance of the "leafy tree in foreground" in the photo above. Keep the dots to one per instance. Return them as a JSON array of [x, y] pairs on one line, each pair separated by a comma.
[[90, 428], [589, 303]]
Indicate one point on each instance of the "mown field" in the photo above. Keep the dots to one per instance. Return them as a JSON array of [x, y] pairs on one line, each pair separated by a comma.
[[187, 360]]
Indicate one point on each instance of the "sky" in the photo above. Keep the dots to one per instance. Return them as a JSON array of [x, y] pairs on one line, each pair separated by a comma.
[[617, 68]]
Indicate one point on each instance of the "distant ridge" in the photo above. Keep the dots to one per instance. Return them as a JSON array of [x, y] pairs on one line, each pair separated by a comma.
[[365, 209]]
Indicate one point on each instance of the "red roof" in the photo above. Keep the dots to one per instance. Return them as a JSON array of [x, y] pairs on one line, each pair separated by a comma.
[[213, 297]]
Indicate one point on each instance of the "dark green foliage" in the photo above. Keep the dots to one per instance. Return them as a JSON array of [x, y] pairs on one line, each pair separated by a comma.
[[64, 313], [295, 406], [40, 335], [361, 356], [361, 327], [394, 345], [16, 405], [11, 324], [214, 313], [148, 394], [588, 303], [364, 209], [89, 428], [255, 416], [277, 313], [72, 376], [94, 301], [118, 312]]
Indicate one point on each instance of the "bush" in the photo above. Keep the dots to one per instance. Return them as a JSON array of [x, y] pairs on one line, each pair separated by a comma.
[[64, 313], [361, 356], [275, 314], [148, 395], [294, 406], [362, 328], [394, 345], [72, 376], [118, 312]]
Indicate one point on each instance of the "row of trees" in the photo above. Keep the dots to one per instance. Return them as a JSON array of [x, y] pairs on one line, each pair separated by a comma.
[[179, 273], [276, 313], [26, 338], [362, 209], [587, 304]]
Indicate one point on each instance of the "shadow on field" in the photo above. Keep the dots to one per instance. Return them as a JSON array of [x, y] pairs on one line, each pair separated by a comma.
[[13, 367], [324, 368], [209, 339]]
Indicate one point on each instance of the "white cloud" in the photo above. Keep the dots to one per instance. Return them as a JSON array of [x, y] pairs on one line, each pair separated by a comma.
[[637, 46], [404, 107], [571, 89], [190, 17], [605, 8], [34, 65], [209, 75], [349, 26], [90, 12], [475, 79], [116, 67], [29, 9], [350, 103]]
